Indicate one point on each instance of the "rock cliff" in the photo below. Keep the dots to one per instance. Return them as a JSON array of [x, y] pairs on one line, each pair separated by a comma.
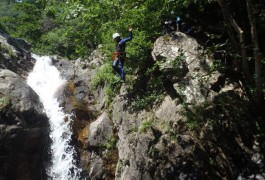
[[203, 129], [23, 125]]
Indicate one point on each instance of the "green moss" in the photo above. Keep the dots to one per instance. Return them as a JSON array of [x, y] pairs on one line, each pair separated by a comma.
[[146, 124], [7, 49], [120, 166], [146, 102], [5, 102], [110, 143]]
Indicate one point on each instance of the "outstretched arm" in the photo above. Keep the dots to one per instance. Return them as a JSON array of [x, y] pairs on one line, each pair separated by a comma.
[[128, 38]]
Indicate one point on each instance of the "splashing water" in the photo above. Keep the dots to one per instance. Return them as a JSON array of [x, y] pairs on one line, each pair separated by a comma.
[[45, 80]]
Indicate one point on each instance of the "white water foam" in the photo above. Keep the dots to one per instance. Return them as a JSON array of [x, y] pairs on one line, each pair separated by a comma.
[[45, 80]]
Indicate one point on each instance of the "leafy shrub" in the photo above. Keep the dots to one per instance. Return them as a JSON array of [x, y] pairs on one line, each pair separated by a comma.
[[146, 102], [146, 124], [105, 77], [3, 28], [110, 143]]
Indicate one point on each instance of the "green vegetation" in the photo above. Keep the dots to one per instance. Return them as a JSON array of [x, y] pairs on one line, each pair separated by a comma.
[[147, 101], [5, 102], [110, 143], [7, 49], [178, 60], [105, 76], [120, 166], [146, 124], [73, 29], [151, 91]]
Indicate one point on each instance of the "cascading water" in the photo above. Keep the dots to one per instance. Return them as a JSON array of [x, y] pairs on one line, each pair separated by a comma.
[[45, 80]]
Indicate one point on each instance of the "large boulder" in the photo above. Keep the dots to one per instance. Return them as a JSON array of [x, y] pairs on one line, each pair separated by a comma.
[[15, 55], [99, 140], [23, 129], [187, 65], [149, 148], [99, 131]]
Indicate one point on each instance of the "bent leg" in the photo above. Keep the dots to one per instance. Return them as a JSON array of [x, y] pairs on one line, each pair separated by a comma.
[[115, 66]]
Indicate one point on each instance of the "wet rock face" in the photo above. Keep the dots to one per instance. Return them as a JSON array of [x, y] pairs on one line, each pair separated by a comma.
[[99, 131], [93, 130], [23, 125], [23, 129]]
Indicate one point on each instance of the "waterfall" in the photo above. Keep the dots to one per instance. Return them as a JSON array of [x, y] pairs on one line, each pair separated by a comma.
[[45, 80]]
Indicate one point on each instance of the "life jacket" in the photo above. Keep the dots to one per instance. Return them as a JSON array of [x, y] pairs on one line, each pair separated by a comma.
[[119, 55]]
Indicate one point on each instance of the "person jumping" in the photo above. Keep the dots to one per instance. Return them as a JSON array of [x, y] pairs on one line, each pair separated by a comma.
[[119, 55]]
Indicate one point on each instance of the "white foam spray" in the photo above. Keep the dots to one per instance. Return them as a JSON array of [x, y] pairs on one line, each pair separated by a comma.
[[45, 79]]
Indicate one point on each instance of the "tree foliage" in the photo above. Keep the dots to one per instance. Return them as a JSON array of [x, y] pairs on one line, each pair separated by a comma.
[[84, 24], [73, 28]]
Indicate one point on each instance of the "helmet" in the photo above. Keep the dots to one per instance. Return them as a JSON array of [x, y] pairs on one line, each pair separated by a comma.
[[115, 35]]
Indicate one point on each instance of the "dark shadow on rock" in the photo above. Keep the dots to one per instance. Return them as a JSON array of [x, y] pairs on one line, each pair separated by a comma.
[[171, 91]]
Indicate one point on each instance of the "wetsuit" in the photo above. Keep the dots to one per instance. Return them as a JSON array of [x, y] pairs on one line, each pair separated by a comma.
[[120, 56]]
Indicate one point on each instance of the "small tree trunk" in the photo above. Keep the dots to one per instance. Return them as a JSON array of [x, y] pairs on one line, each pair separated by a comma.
[[245, 66], [231, 27], [257, 55]]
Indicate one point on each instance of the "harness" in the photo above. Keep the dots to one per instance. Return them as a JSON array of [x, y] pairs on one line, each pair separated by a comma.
[[120, 52], [119, 55]]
